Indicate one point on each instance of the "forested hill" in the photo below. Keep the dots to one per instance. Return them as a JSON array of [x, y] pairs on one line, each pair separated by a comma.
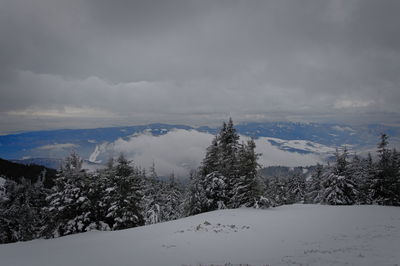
[[16, 171]]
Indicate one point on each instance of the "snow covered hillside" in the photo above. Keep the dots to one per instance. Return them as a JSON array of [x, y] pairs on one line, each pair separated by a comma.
[[292, 234]]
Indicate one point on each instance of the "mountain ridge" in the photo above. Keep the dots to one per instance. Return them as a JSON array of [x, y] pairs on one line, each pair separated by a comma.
[[58, 143]]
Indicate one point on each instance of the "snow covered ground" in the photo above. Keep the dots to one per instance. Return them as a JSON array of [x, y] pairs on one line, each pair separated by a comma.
[[287, 235]]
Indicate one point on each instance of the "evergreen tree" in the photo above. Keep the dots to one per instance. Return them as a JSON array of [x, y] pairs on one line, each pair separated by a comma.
[[296, 189], [314, 186], [395, 180], [152, 197], [98, 201], [228, 155], [385, 185], [368, 187], [125, 195], [341, 164], [172, 205], [210, 163], [215, 190], [228, 176], [338, 190], [195, 198], [219, 171], [360, 171], [69, 207], [248, 189], [277, 191], [21, 216], [338, 187]]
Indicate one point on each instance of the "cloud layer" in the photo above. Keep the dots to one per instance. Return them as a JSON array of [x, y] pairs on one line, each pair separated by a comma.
[[179, 151], [176, 152], [101, 63]]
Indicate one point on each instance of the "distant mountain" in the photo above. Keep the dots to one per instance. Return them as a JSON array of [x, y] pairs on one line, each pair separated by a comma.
[[53, 163], [16, 171], [327, 134], [304, 138], [58, 143]]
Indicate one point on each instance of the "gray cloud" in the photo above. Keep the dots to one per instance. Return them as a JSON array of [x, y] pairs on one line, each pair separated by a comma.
[[100, 63]]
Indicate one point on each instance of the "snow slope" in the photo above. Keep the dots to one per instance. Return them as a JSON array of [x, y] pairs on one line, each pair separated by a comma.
[[297, 234]]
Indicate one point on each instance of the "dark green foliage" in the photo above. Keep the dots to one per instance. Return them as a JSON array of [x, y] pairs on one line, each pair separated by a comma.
[[21, 216], [69, 207], [276, 190], [227, 152], [248, 188], [215, 191], [163, 200], [17, 172], [341, 166], [153, 199], [360, 181], [228, 176], [296, 189], [195, 198], [211, 161], [386, 183], [314, 186], [338, 186], [172, 200], [361, 172], [338, 190], [125, 196]]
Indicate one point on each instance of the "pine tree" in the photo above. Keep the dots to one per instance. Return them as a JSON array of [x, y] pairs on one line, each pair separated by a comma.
[[296, 189], [277, 191], [385, 185], [360, 171], [195, 198], [248, 190], [228, 175], [219, 171], [69, 207], [172, 205], [210, 163], [228, 154], [339, 190], [341, 164], [368, 187], [125, 196], [215, 190], [393, 179], [338, 187], [98, 204], [152, 197], [314, 186], [21, 216]]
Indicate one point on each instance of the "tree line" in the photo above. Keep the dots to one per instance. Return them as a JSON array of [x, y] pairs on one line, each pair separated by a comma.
[[120, 196], [348, 180], [124, 195]]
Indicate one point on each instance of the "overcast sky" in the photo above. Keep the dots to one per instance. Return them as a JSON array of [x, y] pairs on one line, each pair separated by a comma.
[[81, 64]]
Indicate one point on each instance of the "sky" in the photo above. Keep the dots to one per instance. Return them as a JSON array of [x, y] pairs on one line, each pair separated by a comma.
[[99, 63]]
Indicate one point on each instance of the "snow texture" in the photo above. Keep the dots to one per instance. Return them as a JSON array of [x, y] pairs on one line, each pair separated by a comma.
[[2, 187], [295, 234]]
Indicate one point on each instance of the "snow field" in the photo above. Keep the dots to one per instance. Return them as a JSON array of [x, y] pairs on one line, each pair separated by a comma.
[[286, 235]]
